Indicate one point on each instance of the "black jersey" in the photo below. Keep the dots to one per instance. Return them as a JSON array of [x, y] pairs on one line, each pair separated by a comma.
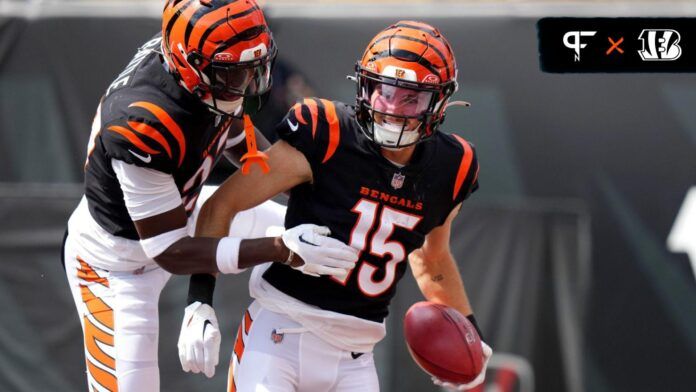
[[381, 209], [147, 119]]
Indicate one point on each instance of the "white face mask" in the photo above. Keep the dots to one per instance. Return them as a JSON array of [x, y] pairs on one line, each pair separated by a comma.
[[388, 135], [229, 107]]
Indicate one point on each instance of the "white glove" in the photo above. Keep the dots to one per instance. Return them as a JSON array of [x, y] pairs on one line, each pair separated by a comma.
[[322, 255], [487, 352], [199, 339]]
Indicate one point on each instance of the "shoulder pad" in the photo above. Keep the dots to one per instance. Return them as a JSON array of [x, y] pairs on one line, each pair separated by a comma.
[[146, 136], [317, 121], [466, 180]]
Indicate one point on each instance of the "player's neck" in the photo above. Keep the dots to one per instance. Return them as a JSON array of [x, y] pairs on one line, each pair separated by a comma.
[[401, 156]]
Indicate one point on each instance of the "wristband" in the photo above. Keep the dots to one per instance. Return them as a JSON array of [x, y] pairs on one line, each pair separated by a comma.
[[201, 288], [472, 320], [227, 255]]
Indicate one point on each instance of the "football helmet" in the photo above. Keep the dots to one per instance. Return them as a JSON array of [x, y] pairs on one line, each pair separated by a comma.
[[405, 79], [220, 50]]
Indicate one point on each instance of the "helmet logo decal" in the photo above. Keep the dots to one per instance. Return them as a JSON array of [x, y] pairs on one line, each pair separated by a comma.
[[253, 53], [431, 79], [224, 57], [400, 73]]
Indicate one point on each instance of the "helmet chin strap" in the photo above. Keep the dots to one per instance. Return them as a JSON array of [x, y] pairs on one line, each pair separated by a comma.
[[231, 108], [458, 103]]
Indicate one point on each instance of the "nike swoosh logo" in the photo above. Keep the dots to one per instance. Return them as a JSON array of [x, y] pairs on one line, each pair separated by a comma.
[[146, 159], [293, 127], [356, 355], [305, 241]]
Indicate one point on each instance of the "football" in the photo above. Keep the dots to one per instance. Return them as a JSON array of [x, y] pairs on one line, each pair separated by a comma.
[[443, 342]]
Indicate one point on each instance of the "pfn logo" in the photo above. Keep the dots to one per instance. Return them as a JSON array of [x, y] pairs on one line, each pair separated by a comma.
[[572, 40], [660, 45]]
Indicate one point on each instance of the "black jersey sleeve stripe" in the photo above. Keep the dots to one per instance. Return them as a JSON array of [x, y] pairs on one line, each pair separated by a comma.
[[169, 123], [132, 138], [151, 132], [298, 113]]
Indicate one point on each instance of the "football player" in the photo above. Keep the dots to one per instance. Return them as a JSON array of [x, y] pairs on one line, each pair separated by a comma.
[[384, 180], [159, 130]]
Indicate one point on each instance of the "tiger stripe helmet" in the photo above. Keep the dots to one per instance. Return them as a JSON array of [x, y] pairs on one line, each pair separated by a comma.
[[221, 50], [405, 78]]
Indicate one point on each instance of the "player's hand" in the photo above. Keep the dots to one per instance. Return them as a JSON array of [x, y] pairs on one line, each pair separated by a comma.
[[487, 352], [199, 340], [322, 255]]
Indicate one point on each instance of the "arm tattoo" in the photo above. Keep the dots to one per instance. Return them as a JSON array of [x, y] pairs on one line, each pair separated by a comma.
[[438, 278]]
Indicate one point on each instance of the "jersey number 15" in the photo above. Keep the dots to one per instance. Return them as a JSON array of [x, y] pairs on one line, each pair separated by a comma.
[[380, 245]]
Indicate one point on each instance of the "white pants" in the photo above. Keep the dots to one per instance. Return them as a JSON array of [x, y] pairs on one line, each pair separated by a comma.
[[120, 323], [118, 310], [273, 353]]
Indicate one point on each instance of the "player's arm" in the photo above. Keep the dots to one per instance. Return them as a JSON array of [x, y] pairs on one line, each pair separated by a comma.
[[154, 204], [288, 168], [436, 271], [438, 278]]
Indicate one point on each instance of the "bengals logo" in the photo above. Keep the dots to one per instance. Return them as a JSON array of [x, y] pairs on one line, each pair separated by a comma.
[[400, 73], [660, 45], [257, 53]]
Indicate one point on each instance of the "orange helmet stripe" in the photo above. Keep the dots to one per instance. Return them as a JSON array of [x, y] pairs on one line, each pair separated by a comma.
[[178, 10], [418, 38], [201, 35], [132, 138], [334, 128], [168, 122], [152, 133], [176, 26], [200, 17], [407, 42], [464, 165]]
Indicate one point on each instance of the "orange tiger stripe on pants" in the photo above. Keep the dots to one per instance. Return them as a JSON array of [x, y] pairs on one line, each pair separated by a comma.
[[98, 329], [242, 333]]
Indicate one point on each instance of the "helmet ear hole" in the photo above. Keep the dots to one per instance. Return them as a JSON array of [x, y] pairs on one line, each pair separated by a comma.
[[195, 58]]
